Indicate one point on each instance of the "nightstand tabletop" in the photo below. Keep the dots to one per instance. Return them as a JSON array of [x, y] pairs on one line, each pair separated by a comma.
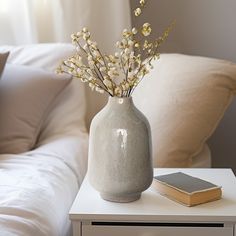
[[154, 207]]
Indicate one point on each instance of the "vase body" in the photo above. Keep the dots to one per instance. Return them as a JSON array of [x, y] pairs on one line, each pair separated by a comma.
[[120, 151]]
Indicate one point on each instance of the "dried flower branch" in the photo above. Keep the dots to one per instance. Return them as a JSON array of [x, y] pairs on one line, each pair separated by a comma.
[[118, 74]]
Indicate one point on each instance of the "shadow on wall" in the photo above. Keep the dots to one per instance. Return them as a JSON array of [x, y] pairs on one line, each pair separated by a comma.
[[204, 28]]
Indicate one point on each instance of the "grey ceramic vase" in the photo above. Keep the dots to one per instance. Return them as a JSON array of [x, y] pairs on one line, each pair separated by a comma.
[[120, 151]]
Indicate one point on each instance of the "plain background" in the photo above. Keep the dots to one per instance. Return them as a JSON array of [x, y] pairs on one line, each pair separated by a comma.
[[205, 28]]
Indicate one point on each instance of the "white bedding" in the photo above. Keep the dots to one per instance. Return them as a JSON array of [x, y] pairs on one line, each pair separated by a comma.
[[37, 188]]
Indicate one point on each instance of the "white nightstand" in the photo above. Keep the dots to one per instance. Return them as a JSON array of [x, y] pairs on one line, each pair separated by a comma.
[[155, 215]]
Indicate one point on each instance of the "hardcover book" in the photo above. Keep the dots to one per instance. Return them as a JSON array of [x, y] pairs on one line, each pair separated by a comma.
[[186, 189]]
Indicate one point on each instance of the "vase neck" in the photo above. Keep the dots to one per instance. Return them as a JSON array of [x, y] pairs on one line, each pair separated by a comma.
[[120, 102]]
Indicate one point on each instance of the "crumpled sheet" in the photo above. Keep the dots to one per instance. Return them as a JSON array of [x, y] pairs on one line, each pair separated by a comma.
[[37, 188]]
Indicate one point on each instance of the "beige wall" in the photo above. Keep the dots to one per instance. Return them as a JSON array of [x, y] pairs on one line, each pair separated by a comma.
[[206, 28]]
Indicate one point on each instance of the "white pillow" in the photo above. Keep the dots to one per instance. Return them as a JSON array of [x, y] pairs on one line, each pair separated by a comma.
[[27, 95], [45, 56], [68, 115], [184, 99]]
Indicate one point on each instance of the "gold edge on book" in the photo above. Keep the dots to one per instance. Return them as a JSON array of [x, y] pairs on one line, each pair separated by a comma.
[[206, 190], [174, 199], [188, 205], [180, 190], [210, 200]]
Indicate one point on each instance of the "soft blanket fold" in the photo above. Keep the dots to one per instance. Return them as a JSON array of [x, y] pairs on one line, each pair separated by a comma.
[[37, 188]]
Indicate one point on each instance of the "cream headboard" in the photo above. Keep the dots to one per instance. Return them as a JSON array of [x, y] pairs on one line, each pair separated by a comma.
[[206, 28]]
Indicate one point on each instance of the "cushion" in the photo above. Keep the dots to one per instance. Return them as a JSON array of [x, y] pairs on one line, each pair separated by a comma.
[[27, 96], [3, 59], [48, 56], [72, 100], [44, 56], [184, 98]]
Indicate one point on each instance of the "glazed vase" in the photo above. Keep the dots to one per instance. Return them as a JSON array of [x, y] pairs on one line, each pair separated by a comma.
[[120, 151]]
